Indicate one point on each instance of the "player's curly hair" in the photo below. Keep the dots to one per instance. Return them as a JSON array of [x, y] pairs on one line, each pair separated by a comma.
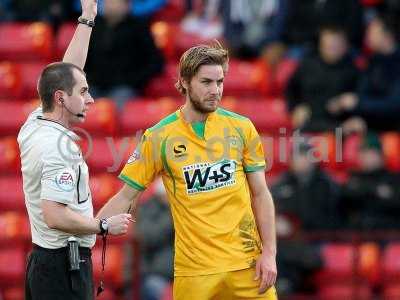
[[198, 56]]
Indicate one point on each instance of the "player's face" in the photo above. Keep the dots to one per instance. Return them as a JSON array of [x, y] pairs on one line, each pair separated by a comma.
[[79, 101], [206, 87]]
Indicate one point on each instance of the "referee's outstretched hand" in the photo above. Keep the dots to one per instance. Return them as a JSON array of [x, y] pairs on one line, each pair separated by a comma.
[[118, 224]]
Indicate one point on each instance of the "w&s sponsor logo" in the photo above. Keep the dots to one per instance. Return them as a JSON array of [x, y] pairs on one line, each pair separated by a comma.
[[205, 177]]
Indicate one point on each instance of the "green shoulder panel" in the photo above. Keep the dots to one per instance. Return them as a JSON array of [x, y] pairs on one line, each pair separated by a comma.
[[230, 114], [164, 122]]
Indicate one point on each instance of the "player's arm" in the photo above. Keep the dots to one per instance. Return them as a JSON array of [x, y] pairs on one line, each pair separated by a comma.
[[59, 216], [123, 202], [78, 47], [140, 170], [264, 211]]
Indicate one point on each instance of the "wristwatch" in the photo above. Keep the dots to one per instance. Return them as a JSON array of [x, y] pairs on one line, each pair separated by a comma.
[[103, 226], [82, 20]]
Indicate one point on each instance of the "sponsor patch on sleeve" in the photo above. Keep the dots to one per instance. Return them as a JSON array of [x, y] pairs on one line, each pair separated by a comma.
[[65, 180], [134, 156]]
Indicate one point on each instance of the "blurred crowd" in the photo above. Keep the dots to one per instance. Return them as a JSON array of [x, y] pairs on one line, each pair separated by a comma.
[[348, 77]]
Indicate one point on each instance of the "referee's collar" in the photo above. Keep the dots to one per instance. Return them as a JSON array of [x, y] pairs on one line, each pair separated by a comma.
[[60, 127]]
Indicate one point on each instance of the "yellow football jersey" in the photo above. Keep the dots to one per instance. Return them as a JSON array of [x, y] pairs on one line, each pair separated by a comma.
[[203, 168]]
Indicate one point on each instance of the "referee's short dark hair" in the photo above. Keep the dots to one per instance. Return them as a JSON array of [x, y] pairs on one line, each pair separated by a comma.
[[56, 76]]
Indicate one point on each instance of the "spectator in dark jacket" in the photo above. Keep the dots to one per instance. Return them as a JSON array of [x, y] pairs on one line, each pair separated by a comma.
[[377, 101], [306, 199], [122, 57], [320, 77], [156, 237], [372, 194], [307, 193]]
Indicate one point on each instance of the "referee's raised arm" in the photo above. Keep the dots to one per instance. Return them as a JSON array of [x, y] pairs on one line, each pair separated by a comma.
[[77, 50]]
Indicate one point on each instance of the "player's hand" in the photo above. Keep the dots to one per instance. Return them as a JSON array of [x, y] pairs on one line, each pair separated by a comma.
[[266, 271], [118, 224], [89, 9]]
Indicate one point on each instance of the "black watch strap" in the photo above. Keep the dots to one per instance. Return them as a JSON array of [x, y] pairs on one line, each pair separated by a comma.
[[103, 226], [82, 20]]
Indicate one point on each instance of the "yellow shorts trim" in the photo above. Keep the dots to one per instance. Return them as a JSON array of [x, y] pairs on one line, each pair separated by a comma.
[[233, 285]]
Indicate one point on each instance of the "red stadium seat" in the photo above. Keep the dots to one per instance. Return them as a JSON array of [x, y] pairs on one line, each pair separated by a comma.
[[338, 263], [267, 116], [14, 227], [243, 79], [103, 187], [99, 154], [11, 193], [172, 11], [26, 41], [369, 262], [101, 119], [107, 154], [142, 114], [391, 292], [30, 75], [114, 268], [10, 80], [9, 155], [14, 114], [14, 293], [164, 84], [345, 292], [64, 36], [391, 150], [12, 266], [391, 263]]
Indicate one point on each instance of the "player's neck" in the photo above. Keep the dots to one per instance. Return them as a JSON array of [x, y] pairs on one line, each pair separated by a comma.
[[191, 115]]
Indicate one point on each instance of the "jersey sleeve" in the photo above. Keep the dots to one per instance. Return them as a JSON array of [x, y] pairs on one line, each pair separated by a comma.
[[59, 180], [253, 153], [144, 164]]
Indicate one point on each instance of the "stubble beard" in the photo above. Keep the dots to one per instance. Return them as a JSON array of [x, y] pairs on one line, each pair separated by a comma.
[[198, 105]]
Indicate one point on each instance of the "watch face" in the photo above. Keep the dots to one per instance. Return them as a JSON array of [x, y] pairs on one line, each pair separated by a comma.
[[104, 224]]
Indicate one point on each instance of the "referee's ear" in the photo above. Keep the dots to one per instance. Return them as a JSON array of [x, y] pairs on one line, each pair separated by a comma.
[[59, 97]]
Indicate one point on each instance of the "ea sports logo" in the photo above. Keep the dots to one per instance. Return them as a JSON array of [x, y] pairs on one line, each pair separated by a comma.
[[65, 180]]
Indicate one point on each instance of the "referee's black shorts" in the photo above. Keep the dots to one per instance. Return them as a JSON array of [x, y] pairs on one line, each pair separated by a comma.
[[48, 276]]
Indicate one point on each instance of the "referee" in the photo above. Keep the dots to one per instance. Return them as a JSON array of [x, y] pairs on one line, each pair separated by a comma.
[[56, 179]]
